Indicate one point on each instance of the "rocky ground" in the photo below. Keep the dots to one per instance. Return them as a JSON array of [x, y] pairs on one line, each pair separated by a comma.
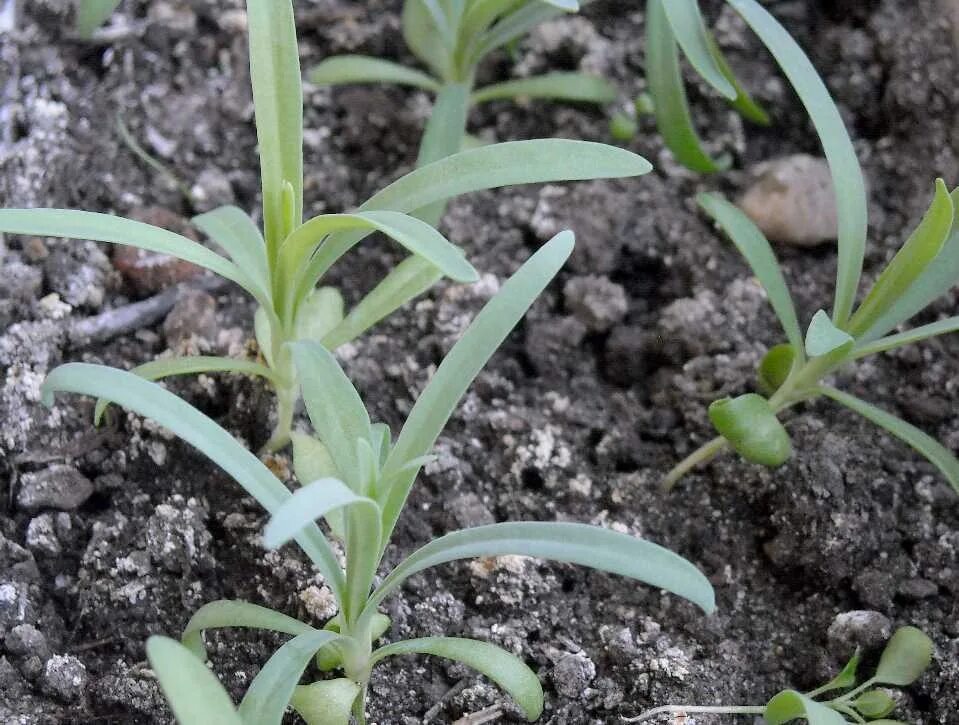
[[108, 535]]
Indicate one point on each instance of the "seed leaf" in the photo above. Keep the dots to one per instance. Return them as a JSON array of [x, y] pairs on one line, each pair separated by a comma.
[[278, 101], [874, 704], [342, 69], [935, 452], [150, 400], [847, 177], [752, 429], [907, 654], [578, 87], [272, 688], [775, 367], [327, 702], [194, 693], [503, 668], [791, 705], [232, 613], [591, 546], [823, 337], [462, 364], [670, 104], [690, 32], [919, 251], [754, 246]]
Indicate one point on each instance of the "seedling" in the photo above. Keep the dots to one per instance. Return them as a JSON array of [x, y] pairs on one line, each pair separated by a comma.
[[282, 267], [91, 14], [358, 478], [671, 26], [907, 654], [925, 268]]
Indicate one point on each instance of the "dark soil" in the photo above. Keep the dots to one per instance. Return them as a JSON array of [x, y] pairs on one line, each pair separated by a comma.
[[577, 418]]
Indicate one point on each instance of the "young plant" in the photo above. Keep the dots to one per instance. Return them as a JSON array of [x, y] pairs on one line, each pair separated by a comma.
[[91, 14], [671, 26], [925, 268], [907, 654], [359, 478], [282, 267]]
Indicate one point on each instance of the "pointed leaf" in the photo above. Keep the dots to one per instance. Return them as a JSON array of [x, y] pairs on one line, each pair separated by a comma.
[[91, 14], [754, 246], [503, 668], [578, 87], [319, 313], [919, 251], [311, 462], [823, 337], [935, 452], [791, 705], [670, 104], [514, 26], [847, 176], [328, 702], [907, 654], [152, 401], [874, 704], [690, 32], [342, 69], [591, 546], [950, 324], [443, 135], [236, 614], [462, 364], [310, 502], [752, 429], [235, 232], [419, 32], [278, 101], [744, 103], [845, 679], [335, 408], [272, 688], [194, 693]]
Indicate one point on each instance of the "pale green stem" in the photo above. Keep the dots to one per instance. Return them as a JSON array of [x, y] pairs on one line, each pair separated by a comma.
[[702, 455], [703, 709]]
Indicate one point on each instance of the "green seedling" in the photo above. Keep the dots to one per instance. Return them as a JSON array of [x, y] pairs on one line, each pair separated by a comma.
[[282, 267], [924, 269], [91, 14], [907, 654], [359, 478], [671, 26]]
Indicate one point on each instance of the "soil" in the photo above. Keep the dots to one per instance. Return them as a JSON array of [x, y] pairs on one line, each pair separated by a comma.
[[600, 390]]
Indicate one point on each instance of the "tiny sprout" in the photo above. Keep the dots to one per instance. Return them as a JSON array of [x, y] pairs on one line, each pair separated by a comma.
[[357, 477], [924, 268], [623, 126], [91, 14], [907, 654]]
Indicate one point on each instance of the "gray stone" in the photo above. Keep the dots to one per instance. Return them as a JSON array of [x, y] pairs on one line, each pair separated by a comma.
[[596, 301], [858, 628], [25, 640], [192, 321], [572, 675], [212, 189], [64, 677], [469, 510], [59, 487], [42, 535]]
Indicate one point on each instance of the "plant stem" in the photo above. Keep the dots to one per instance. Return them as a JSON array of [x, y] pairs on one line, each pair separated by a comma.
[[701, 455], [705, 709]]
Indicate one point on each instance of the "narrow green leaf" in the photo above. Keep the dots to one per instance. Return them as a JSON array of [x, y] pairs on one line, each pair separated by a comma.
[[591, 546], [906, 656], [752, 429], [503, 668], [312, 501], [236, 614], [935, 452], [937, 279], [311, 462], [823, 337], [754, 246], [166, 367], [335, 408], [514, 26], [933, 329], [271, 690], [690, 32], [235, 232], [443, 135], [278, 101], [480, 14], [775, 367], [407, 280], [194, 693], [420, 32], [844, 680], [327, 702], [670, 104], [578, 87], [91, 14], [874, 704], [117, 230], [150, 400], [744, 103], [343, 69], [847, 177], [462, 364], [318, 314], [919, 251], [791, 705]]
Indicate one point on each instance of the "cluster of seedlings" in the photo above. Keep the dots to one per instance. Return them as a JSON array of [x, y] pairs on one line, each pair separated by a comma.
[[354, 473]]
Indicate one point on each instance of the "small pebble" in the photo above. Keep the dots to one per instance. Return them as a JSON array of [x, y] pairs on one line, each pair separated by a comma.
[[572, 675], [858, 628], [149, 272], [192, 320], [596, 301], [64, 677], [58, 487]]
